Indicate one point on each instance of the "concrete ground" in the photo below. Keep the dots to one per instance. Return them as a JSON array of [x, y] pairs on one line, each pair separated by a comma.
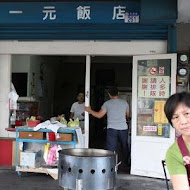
[[10, 180], [131, 182]]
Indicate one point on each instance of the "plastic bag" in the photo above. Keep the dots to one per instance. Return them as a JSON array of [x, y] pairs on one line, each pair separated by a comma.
[[51, 158], [46, 151]]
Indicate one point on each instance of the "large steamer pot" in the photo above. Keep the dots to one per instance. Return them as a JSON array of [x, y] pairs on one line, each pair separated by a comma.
[[87, 169]]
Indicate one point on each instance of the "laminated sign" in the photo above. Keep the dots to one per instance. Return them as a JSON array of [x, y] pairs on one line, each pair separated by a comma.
[[159, 115], [153, 86]]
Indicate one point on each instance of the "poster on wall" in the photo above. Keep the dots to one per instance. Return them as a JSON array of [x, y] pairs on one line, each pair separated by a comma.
[[154, 78]]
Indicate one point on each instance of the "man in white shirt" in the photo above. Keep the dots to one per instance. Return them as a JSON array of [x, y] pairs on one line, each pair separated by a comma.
[[77, 109]]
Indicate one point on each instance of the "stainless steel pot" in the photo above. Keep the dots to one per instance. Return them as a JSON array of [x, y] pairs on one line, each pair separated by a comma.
[[87, 169]]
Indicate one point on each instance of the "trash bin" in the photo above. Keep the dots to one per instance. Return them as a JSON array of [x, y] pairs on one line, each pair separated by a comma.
[[87, 169]]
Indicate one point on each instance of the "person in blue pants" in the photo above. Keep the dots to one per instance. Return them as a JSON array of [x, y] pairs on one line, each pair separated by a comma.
[[117, 111]]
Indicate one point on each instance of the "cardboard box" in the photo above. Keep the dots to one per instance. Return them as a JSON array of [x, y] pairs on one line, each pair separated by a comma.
[[30, 159]]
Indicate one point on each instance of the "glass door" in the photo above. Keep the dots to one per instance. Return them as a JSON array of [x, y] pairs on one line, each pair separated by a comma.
[[154, 80]]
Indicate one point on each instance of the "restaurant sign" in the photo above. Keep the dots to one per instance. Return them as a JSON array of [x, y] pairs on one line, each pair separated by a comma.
[[110, 12]]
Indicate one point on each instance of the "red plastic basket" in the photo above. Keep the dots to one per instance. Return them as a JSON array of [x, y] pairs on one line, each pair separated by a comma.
[[31, 123]]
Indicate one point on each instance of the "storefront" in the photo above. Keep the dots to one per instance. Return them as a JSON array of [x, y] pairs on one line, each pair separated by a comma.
[[126, 28]]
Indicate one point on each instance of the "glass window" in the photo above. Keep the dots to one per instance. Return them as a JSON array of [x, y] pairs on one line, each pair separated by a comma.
[[154, 87]]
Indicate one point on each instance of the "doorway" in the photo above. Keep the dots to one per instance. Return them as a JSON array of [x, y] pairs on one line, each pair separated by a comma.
[[58, 80], [106, 71]]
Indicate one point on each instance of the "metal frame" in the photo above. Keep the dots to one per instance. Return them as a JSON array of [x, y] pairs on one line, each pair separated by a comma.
[[164, 165], [19, 129]]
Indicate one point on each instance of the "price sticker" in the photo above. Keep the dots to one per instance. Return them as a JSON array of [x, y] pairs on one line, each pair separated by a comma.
[[160, 131]]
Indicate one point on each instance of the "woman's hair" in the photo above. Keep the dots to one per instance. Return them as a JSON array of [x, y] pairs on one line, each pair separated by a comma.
[[173, 101]]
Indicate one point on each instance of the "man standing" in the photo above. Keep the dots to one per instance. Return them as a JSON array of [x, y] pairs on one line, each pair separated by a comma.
[[117, 111], [77, 109]]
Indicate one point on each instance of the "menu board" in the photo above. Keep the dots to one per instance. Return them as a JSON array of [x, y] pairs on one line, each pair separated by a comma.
[[154, 88]]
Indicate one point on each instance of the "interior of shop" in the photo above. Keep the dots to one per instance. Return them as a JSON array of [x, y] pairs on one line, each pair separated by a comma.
[[55, 81]]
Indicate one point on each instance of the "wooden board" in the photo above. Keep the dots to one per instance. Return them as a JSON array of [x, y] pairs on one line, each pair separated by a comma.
[[30, 135], [38, 170], [64, 137]]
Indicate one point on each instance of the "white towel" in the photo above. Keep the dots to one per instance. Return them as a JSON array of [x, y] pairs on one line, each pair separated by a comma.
[[48, 125]]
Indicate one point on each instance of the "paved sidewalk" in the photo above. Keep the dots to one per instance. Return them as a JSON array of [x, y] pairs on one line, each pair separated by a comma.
[[131, 182], [10, 180]]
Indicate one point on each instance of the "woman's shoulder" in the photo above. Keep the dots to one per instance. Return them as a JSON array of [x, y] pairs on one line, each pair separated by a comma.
[[174, 153], [174, 160], [173, 148]]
